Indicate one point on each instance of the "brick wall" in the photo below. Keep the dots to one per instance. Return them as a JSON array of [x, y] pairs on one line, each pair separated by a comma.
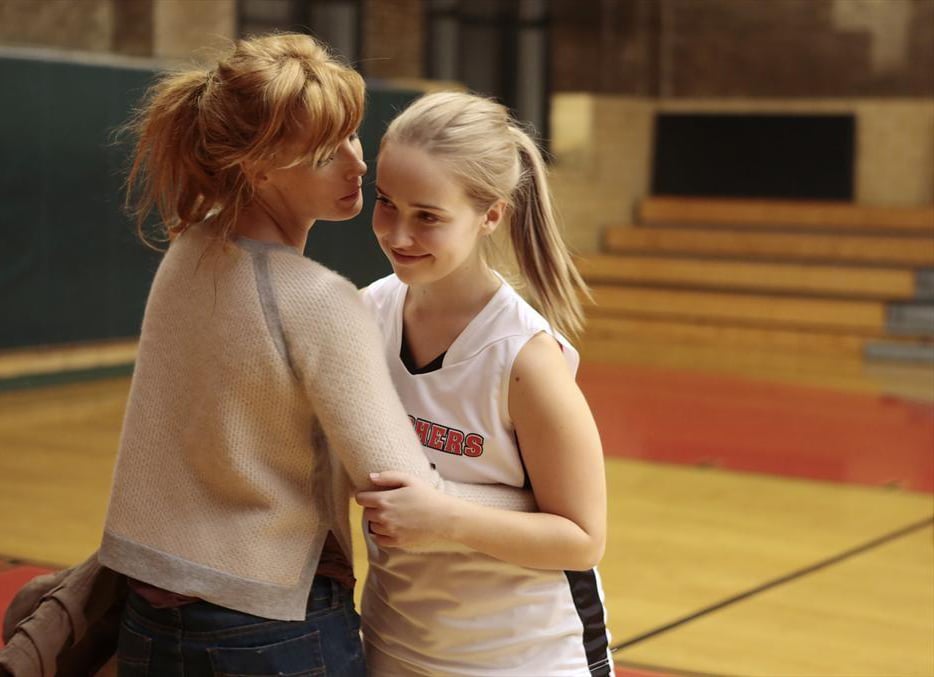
[[183, 29], [132, 27], [174, 29], [608, 46], [393, 38], [760, 48], [65, 24]]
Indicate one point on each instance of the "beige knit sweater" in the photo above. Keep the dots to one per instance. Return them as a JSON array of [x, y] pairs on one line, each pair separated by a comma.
[[260, 401]]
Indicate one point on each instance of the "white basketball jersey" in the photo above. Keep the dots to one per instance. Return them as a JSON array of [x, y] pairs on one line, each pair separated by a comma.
[[464, 613]]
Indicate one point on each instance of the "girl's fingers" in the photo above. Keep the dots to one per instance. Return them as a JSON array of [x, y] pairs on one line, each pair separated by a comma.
[[384, 541], [369, 499], [374, 526], [390, 478]]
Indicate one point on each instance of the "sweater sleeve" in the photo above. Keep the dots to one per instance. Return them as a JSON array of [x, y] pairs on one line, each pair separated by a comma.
[[334, 348]]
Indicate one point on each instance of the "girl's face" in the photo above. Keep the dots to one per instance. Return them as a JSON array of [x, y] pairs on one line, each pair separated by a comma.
[[300, 194], [423, 220]]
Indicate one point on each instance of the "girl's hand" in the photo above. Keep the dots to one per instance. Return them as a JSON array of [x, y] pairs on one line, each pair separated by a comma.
[[404, 511]]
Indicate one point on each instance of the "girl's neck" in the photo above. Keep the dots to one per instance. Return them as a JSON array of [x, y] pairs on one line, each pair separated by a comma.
[[258, 223], [464, 292]]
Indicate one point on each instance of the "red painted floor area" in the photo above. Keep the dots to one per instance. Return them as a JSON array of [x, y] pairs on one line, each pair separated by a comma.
[[692, 418], [11, 580]]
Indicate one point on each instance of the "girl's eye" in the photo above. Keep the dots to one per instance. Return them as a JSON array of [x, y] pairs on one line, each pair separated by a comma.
[[353, 137], [383, 200], [428, 217]]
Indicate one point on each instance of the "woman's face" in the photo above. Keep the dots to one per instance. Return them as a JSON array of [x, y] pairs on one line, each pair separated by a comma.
[[303, 193], [423, 220]]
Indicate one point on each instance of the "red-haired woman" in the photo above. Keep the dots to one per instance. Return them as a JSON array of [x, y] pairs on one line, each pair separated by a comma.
[[260, 399]]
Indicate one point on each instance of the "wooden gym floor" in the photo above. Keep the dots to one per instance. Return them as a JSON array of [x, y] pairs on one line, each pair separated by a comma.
[[755, 528]]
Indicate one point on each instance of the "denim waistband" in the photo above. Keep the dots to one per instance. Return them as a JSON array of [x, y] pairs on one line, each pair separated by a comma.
[[206, 618]]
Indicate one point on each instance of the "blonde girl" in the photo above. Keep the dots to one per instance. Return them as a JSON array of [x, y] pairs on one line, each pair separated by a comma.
[[488, 384]]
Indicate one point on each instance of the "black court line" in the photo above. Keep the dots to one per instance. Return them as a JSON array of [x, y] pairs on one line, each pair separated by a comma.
[[917, 526], [669, 672], [14, 562]]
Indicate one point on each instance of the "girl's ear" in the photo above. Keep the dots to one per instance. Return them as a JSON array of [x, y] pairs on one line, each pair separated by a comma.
[[493, 217]]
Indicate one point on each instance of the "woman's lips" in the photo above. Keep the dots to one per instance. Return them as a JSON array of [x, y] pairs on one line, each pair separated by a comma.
[[351, 196]]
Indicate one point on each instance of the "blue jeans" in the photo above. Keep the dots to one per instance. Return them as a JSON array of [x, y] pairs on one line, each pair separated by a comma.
[[205, 639]]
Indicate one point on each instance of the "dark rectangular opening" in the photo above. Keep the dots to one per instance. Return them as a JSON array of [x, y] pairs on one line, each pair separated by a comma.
[[757, 156]]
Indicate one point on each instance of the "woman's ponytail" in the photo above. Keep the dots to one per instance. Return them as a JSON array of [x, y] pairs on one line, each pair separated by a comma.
[[274, 100], [167, 172]]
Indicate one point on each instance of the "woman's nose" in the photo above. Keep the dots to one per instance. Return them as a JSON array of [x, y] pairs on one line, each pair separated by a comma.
[[356, 167], [360, 167]]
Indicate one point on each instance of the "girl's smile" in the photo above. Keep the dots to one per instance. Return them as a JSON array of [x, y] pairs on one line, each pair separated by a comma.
[[407, 259]]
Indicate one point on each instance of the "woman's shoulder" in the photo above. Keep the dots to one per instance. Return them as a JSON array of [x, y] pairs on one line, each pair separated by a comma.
[[296, 269], [378, 295], [302, 284], [381, 289]]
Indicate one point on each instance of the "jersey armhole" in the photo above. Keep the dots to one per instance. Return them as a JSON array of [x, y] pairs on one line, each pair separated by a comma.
[[507, 417], [507, 379]]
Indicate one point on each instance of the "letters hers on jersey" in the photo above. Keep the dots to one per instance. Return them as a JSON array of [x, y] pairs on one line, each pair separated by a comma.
[[449, 440]]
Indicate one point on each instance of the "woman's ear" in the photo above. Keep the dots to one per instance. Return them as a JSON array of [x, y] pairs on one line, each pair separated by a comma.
[[493, 217], [254, 172]]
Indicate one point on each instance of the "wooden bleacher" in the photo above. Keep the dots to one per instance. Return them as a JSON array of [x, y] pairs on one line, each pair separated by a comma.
[[912, 251], [846, 281], [685, 332], [865, 318], [808, 215], [778, 290]]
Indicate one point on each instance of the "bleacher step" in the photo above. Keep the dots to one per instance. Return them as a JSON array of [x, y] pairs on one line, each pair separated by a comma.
[[785, 214], [731, 337], [796, 247], [787, 278], [887, 351], [863, 318], [910, 319], [924, 282]]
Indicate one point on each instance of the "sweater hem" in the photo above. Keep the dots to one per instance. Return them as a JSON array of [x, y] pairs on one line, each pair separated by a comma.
[[266, 600]]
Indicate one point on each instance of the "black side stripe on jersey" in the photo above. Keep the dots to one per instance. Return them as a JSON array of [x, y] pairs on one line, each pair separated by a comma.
[[590, 610], [527, 484]]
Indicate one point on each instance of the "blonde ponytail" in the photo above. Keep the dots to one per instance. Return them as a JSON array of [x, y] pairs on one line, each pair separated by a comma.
[[544, 261]]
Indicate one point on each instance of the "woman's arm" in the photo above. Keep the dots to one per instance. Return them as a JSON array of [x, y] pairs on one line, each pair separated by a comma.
[[334, 348], [563, 456]]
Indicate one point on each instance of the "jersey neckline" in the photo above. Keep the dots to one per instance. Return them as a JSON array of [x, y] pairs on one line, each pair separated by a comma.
[[451, 355]]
